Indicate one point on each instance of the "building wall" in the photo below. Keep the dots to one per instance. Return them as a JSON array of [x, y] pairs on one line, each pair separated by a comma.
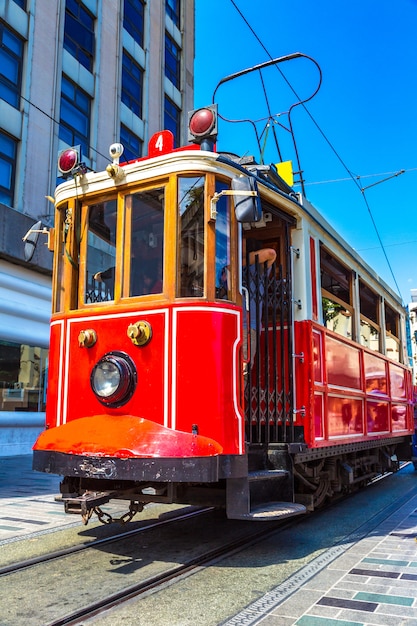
[[34, 124], [25, 310]]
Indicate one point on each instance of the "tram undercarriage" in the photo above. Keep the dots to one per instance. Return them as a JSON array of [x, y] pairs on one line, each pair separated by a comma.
[[322, 479], [277, 483]]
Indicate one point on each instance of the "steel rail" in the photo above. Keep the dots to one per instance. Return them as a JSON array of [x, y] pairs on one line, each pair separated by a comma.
[[158, 582], [16, 567], [176, 573]]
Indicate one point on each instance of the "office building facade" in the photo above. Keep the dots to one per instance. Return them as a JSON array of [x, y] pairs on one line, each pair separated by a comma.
[[72, 72]]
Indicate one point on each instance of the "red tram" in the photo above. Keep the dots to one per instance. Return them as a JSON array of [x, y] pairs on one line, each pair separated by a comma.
[[184, 370]]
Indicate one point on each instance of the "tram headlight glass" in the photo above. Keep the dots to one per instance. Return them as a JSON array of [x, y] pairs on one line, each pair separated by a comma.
[[113, 379], [106, 378]]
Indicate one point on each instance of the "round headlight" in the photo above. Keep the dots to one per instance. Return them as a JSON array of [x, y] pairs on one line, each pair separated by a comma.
[[113, 379]]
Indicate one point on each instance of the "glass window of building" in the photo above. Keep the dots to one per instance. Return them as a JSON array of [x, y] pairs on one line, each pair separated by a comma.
[[21, 3], [172, 61], [8, 150], [172, 119], [133, 19], [23, 373], [173, 8], [336, 292], [131, 143], [74, 127], [79, 33], [369, 317], [11, 60], [132, 84]]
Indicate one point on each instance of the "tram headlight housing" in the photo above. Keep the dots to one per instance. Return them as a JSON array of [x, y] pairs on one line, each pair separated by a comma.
[[202, 124], [113, 379], [69, 162]]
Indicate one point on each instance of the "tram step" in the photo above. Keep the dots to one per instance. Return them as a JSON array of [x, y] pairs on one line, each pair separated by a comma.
[[262, 495], [270, 511]]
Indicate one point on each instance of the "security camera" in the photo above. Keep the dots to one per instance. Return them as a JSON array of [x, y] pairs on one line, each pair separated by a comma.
[[116, 150], [114, 170]]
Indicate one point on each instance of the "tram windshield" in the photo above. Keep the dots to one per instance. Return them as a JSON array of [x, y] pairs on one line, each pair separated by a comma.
[[115, 248], [191, 237], [145, 229], [138, 267], [223, 235], [101, 252]]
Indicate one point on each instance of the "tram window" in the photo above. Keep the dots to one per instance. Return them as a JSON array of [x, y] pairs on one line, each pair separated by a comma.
[[392, 340], [147, 241], [101, 252], [190, 281], [336, 290], [223, 284], [369, 318], [59, 286]]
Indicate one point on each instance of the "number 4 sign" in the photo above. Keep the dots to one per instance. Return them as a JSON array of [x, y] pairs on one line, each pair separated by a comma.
[[161, 143]]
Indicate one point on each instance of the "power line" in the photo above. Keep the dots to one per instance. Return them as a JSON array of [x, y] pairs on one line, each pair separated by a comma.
[[343, 180], [390, 245], [55, 121], [352, 176]]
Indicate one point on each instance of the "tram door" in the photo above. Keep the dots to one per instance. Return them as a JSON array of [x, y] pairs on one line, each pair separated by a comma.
[[267, 280]]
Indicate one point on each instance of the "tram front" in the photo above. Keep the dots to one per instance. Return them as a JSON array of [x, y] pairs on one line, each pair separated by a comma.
[[145, 386]]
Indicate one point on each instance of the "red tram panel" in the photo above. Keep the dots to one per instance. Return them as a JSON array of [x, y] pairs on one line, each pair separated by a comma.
[[350, 393], [185, 382]]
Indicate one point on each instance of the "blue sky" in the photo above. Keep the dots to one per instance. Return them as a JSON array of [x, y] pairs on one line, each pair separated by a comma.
[[365, 113]]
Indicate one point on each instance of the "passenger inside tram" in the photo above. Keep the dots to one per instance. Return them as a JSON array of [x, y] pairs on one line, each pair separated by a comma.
[[258, 262]]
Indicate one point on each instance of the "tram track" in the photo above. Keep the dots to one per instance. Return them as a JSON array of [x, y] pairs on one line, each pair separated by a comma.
[[57, 554], [43, 576], [158, 582], [192, 566], [151, 562]]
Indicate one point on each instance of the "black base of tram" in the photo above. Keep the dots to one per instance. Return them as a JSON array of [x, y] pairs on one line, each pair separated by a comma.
[[225, 481]]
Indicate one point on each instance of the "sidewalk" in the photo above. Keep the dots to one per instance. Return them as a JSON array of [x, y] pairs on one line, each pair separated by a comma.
[[27, 502], [368, 580]]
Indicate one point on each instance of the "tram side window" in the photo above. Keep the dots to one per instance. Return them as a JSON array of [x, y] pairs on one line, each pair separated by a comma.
[[101, 252], [147, 241], [370, 330], [336, 291], [223, 282], [190, 282], [392, 333], [62, 223]]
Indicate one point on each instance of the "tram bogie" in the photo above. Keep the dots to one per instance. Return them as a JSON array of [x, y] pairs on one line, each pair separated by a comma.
[[184, 370]]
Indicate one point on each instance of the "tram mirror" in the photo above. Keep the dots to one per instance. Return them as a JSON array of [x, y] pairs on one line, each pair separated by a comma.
[[31, 239], [246, 198]]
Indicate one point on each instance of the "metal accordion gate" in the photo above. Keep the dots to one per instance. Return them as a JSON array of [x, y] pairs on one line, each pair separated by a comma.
[[269, 380]]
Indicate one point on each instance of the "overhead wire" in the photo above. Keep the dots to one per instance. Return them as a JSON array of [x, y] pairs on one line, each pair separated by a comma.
[[55, 121], [352, 176], [362, 176], [390, 245]]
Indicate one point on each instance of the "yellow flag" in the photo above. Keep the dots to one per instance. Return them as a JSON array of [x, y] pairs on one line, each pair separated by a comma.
[[285, 171]]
